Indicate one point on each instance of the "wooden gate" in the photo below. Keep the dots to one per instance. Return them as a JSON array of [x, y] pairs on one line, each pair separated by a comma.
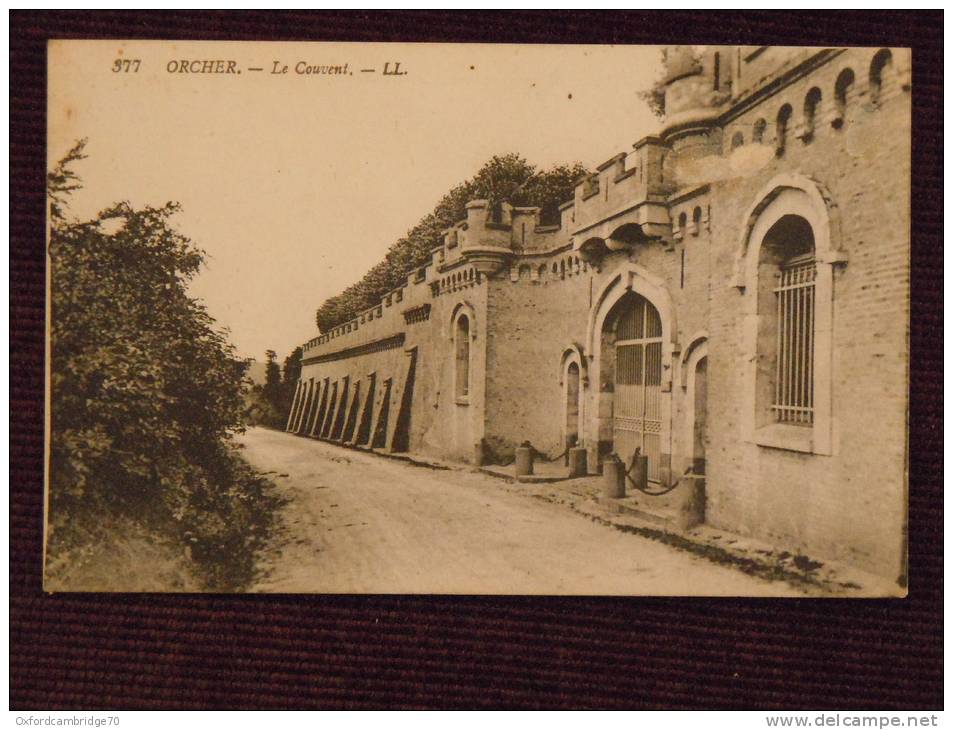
[[637, 413]]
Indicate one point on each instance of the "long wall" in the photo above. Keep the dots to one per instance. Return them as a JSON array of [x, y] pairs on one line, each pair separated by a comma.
[[403, 351], [674, 221]]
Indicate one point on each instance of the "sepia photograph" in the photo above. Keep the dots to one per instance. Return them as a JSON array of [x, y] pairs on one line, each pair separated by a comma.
[[477, 319]]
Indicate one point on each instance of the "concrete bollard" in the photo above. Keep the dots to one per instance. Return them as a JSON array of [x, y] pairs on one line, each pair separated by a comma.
[[613, 477], [479, 453], [578, 462], [524, 460]]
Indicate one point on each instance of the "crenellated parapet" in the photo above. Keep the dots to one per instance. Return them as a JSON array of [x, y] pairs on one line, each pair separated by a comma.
[[623, 203], [718, 100], [491, 234], [375, 319]]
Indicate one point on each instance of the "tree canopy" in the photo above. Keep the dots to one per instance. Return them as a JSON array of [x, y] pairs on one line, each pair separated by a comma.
[[504, 178]]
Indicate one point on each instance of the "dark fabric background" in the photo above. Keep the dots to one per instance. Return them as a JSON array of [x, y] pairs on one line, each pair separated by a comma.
[[207, 651]]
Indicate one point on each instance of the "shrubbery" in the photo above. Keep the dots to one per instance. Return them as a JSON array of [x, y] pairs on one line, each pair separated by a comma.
[[146, 391]]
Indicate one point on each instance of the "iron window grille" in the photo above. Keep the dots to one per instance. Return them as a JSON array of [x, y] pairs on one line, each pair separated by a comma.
[[794, 380]]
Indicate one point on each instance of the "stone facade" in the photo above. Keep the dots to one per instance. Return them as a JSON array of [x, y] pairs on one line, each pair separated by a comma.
[[652, 314]]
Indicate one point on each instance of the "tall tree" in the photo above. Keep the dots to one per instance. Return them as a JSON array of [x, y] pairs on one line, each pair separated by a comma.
[[272, 387], [62, 180], [291, 371]]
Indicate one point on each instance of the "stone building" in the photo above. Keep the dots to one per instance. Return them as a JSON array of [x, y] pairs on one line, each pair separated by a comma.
[[731, 297]]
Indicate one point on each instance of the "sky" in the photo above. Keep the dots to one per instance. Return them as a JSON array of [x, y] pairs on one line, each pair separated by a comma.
[[296, 184]]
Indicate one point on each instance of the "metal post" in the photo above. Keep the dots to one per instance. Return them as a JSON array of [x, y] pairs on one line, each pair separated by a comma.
[[639, 471]]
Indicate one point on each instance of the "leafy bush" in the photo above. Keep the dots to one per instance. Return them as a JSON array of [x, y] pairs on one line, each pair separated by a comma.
[[146, 390], [507, 178]]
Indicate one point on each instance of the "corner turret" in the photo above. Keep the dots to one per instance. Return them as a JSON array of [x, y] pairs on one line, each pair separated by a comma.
[[697, 85]]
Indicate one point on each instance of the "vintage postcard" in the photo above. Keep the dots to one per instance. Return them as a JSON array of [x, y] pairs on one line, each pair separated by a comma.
[[478, 319]]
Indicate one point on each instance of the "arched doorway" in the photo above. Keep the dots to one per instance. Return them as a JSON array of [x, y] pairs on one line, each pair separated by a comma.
[[632, 369]]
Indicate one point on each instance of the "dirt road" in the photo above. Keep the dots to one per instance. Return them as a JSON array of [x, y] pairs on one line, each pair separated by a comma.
[[361, 523]]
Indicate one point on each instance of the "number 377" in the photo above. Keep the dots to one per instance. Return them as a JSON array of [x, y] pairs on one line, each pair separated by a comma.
[[126, 65]]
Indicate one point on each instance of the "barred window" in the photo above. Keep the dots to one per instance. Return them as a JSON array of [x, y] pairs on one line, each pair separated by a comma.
[[788, 333], [794, 380]]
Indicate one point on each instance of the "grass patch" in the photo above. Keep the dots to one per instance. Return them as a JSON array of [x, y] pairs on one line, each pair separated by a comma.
[[146, 548]]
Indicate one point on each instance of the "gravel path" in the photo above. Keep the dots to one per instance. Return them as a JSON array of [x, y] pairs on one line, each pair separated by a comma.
[[361, 523]]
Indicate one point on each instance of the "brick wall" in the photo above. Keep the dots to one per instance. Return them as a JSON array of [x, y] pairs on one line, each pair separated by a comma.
[[848, 504], [533, 320], [437, 423]]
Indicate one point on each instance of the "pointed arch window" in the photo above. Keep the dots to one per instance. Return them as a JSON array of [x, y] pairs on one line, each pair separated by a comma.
[[462, 357], [788, 258]]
